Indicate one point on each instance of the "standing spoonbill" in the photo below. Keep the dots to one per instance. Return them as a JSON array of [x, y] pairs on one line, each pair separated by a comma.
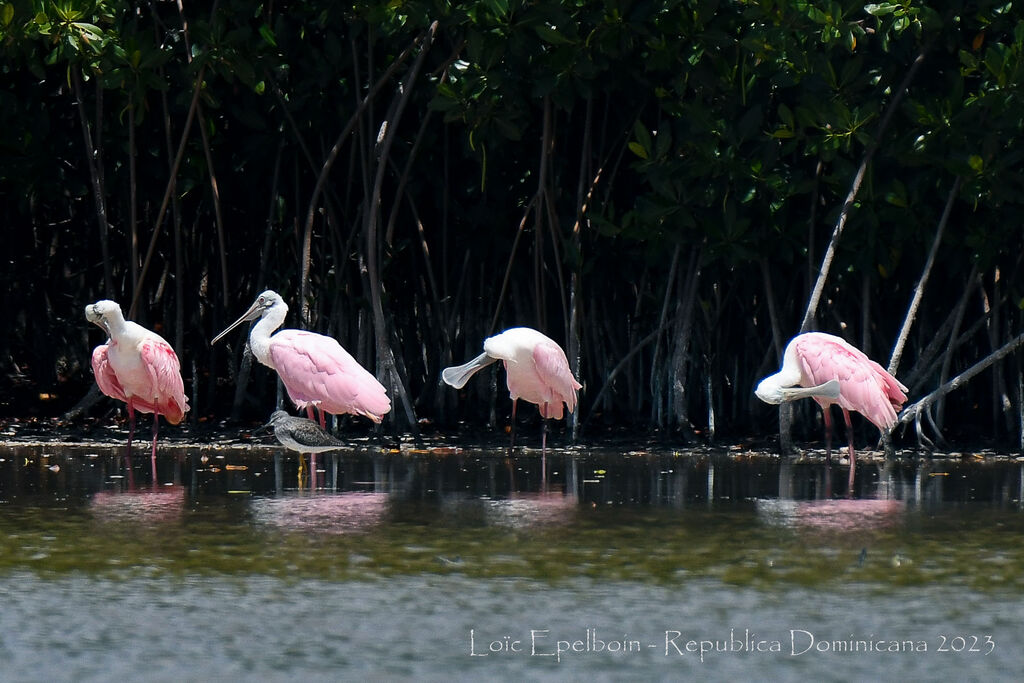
[[304, 436], [315, 369], [138, 367], [536, 369], [830, 370]]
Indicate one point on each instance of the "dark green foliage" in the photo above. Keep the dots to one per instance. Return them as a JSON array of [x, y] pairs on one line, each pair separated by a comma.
[[610, 157]]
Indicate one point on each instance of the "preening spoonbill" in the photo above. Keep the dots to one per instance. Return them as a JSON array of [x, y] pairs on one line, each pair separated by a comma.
[[536, 369], [138, 367], [315, 369], [830, 370]]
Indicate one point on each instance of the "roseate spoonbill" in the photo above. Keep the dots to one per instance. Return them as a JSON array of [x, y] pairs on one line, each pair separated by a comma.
[[304, 436], [830, 370], [315, 369], [536, 369], [138, 367]]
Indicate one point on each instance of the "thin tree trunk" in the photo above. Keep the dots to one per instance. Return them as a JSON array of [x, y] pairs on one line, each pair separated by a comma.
[[584, 194], [913, 411], [171, 184], [329, 163], [947, 359], [915, 302], [98, 190], [812, 224], [610, 376], [865, 313], [773, 315], [385, 353], [943, 338], [681, 356], [133, 208], [826, 262], [659, 401], [218, 217]]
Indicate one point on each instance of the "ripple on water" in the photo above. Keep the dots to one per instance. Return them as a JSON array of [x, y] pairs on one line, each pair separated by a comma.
[[388, 579], [420, 626]]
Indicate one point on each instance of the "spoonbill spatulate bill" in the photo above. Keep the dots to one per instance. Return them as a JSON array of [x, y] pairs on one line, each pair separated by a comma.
[[536, 370]]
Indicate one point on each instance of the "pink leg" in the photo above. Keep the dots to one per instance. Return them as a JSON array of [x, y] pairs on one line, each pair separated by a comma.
[[152, 457], [544, 451], [312, 470], [512, 445], [128, 453], [311, 416], [826, 414], [131, 426], [853, 457], [543, 430], [828, 433]]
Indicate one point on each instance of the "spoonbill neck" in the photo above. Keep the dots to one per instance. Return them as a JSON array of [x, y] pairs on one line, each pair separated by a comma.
[[259, 338], [771, 388], [115, 323]]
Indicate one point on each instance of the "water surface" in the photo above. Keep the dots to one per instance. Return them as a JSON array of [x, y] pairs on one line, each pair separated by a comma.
[[447, 564]]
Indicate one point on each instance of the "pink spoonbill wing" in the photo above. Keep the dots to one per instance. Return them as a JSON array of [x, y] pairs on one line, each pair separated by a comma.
[[316, 370], [865, 387], [105, 377], [164, 370], [553, 369]]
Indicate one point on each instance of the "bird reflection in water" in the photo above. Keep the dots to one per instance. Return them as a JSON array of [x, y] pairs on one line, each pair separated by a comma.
[[529, 510], [151, 506], [847, 514], [331, 513]]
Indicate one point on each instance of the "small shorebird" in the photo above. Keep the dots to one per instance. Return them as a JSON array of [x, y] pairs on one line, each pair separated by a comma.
[[304, 436]]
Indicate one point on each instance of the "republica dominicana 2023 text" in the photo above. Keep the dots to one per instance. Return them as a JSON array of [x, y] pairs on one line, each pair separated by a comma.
[[794, 642]]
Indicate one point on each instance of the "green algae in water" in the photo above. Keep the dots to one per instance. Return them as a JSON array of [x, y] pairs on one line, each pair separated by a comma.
[[384, 535], [646, 519]]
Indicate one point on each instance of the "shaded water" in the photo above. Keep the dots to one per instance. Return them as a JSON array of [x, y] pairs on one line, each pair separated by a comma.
[[468, 564]]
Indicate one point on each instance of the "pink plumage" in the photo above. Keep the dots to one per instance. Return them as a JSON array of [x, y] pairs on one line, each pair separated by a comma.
[[314, 368], [137, 366], [547, 381], [864, 385], [317, 371], [818, 361], [106, 379], [536, 370], [157, 379]]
